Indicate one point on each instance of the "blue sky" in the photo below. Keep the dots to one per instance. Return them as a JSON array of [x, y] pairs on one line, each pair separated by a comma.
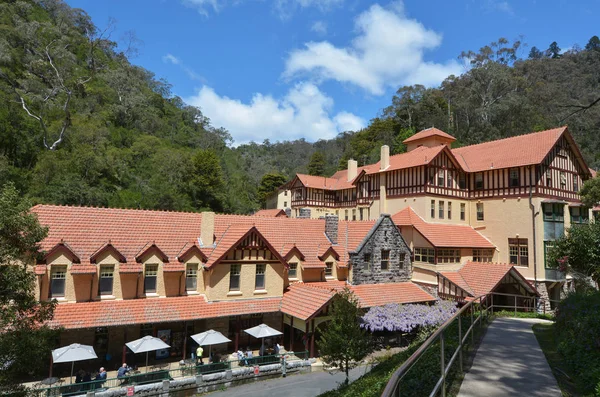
[[286, 69]]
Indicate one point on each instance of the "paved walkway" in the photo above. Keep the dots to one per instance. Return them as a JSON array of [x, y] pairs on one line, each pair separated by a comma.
[[510, 362]]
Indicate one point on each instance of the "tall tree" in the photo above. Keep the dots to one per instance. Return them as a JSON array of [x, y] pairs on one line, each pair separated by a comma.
[[25, 341], [554, 50], [268, 184], [344, 342], [206, 184], [590, 192], [535, 53], [316, 165], [593, 44]]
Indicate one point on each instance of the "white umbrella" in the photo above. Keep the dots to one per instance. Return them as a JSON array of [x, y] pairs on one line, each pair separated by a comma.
[[209, 338], [262, 331], [72, 353], [147, 344]]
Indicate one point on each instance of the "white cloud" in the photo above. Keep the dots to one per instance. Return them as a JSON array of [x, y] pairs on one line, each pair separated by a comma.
[[387, 51], [285, 8], [304, 112], [203, 6], [170, 58], [319, 27]]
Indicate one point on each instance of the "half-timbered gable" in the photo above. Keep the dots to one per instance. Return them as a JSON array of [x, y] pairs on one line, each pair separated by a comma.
[[445, 176]]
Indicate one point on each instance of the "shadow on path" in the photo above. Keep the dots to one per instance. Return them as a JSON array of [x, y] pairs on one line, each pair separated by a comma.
[[510, 362]]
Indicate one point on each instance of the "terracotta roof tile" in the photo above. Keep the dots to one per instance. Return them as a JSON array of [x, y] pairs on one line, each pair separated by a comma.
[[416, 157], [83, 269], [40, 270], [516, 151], [143, 311], [305, 300], [130, 268], [371, 295], [271, 213], [442, 235], [174, 267], [429, 132]]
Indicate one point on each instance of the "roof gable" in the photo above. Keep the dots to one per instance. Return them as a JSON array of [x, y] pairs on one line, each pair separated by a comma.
[[148, 249], [108, 247], [62, 246], [188, 250], [429, 132], [383, 219]]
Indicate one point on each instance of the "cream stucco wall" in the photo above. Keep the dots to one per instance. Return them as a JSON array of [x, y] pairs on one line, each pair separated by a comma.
[[218, 282]]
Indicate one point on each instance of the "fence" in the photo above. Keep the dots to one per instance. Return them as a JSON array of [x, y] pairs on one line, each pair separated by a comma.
[[185, 369], [477, 311]]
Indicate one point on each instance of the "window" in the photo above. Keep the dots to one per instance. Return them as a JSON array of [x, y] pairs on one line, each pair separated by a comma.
[[361, 213], [293, 272], [431, 176], [285, 204], [448, 256], [478, 181], [449, 209], [563, 180], [367, 260], [385, 259], [432, 209], [579, 214], [425, 255], [328, 269], [346, 215], [105, 284], [462, 211], [191, 277], [518, 251], [479, 211], [483, 255], [462, 181], [575, 184], [234, 277], [441, 210], [259, 280], [57, 281], [401, 259], [548, 245], [553, 212], [285, 192], [354, 214], [150, 278], [514, 177], [441, 178], [549, 178], [449, 180]]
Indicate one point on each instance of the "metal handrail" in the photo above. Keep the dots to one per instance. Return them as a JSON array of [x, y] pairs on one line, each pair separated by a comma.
[[392, 388]]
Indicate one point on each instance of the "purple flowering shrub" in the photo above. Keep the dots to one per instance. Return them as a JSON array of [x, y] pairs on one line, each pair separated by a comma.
[[407, 318]]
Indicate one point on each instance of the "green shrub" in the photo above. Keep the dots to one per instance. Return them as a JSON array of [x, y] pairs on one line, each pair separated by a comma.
[[511, 313], [578, 337]]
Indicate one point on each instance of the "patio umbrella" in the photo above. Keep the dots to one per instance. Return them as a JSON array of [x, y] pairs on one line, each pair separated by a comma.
[[72, 353], [262, 331], [209, 338], [145, 345]]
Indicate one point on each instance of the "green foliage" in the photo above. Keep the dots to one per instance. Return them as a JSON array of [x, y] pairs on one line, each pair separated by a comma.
[[510, 313], [344, 343], [590, 192], [554, 50], [593, 44], [23, 340], [316, 165], [577, 330], [268, 184], [578, 252]]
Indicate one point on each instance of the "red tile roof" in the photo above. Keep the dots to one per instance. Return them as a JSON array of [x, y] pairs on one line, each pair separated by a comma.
[[130, 268], [158, 310], [305, 300], [83, 269], [442, 235], [429, 132], [420, 156], [271, 213], [40, 270], [371, 295], [516, 151], [481, 278], [173, 267]]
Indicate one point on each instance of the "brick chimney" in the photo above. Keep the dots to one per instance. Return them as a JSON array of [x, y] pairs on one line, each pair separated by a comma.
[[304, 213], [207, 229], [385, 157], [352, 169], [331, 228]]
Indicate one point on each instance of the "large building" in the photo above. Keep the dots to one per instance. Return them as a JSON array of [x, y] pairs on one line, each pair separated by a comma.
[[503, 201]]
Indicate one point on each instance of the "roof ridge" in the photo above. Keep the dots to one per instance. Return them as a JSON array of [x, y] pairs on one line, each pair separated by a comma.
[[511, 137]]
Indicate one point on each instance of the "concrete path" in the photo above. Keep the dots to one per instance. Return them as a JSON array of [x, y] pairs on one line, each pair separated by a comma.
[[300, 385], [510, 362]]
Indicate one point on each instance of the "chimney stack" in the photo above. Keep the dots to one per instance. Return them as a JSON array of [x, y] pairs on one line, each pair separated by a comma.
[[331, 228], [385, 157], [352, 169], [207, 229]]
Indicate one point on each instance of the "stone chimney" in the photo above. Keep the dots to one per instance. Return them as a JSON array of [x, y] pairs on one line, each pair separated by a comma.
[[352, 169], [385, 157], [207, 229], [304, 213], [331, 228]]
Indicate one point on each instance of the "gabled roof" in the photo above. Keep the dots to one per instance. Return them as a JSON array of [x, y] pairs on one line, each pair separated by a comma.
[[329, 251], [370, 295], [294, 251], [305, 301], [440, 234], [429, 132], [271, 213], [419, 156], [190, 249], [146, 311], [104, 248], [517, 151], [62, 245], [372, 230], [481, 277], [149, 247]]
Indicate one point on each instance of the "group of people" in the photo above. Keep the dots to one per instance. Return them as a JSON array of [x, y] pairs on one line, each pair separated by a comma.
[[243, 357], [84, 376]]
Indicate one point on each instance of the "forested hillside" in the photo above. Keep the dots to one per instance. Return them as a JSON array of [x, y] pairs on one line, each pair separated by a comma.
[[80, 124]]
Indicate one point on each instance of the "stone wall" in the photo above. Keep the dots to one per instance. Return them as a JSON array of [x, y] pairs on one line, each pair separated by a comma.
[[383, 236]]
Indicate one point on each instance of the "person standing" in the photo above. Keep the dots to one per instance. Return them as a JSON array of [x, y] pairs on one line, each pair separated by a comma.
[[199, 352]]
